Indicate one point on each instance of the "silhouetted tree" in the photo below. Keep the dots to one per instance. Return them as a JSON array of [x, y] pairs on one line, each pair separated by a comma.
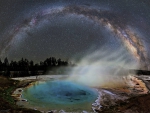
[[0, 62], [59, 62], [54, 61], [31, 63], [25, 68], [6, 62]]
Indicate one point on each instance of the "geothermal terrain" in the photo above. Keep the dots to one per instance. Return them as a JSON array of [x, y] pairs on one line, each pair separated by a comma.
[[97, 41], [132, 97]]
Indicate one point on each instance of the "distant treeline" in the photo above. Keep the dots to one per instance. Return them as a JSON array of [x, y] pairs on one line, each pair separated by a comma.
[[25, 67]]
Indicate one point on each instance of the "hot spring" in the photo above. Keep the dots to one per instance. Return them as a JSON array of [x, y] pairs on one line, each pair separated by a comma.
[[60, 95], [76, 92]]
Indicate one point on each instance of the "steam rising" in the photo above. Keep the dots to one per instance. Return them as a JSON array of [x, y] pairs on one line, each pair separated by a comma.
[[104, 68]]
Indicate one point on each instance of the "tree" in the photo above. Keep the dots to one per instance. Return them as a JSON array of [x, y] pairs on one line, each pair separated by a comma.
[[0, 62], [6, 62], [54, 61], [59, 62], [31, 63]]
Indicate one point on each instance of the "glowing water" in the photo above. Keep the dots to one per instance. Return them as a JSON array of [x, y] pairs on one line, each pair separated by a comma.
[[60, 94], [102, 68]]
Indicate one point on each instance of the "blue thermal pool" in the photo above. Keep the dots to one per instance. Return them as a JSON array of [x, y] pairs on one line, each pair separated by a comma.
[[60, 94]]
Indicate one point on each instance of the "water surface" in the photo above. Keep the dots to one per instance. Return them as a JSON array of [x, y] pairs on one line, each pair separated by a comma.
[[60, 94]]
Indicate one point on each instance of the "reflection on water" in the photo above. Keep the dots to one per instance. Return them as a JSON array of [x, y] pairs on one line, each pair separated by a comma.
[[60, 94]]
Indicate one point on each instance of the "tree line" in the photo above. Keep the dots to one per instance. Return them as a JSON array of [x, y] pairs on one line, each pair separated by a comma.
[[24, 67]]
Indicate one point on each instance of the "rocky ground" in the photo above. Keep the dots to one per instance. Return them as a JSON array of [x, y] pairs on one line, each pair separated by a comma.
[[7, 102], [138, 104], [135, 99], [138, 98]]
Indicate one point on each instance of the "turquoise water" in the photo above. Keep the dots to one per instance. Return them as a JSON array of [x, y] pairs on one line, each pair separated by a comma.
[[60, 94]]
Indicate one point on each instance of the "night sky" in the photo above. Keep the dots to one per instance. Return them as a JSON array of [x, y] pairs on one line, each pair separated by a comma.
[[37, 29]]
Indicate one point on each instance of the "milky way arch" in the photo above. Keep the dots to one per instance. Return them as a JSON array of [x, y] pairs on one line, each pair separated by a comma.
[[106, 18]]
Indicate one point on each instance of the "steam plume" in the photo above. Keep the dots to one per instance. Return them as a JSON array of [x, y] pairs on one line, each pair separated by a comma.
[[103, 68]]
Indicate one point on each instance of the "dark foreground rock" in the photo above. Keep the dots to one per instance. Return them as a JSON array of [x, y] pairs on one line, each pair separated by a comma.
[[138, 104], [7, 102]]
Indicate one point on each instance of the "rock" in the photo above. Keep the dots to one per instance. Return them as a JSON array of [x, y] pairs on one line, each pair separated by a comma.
[[20, 90], [61, 111], [25, 100], [85, 112], [50, 112]]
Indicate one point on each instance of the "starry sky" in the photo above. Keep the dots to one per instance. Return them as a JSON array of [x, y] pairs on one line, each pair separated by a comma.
[[37, 29]]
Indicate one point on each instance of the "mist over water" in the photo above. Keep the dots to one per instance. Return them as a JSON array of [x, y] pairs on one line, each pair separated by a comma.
[[104, 68]]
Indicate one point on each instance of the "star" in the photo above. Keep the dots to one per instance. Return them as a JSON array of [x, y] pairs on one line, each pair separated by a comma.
[[66, 28]]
